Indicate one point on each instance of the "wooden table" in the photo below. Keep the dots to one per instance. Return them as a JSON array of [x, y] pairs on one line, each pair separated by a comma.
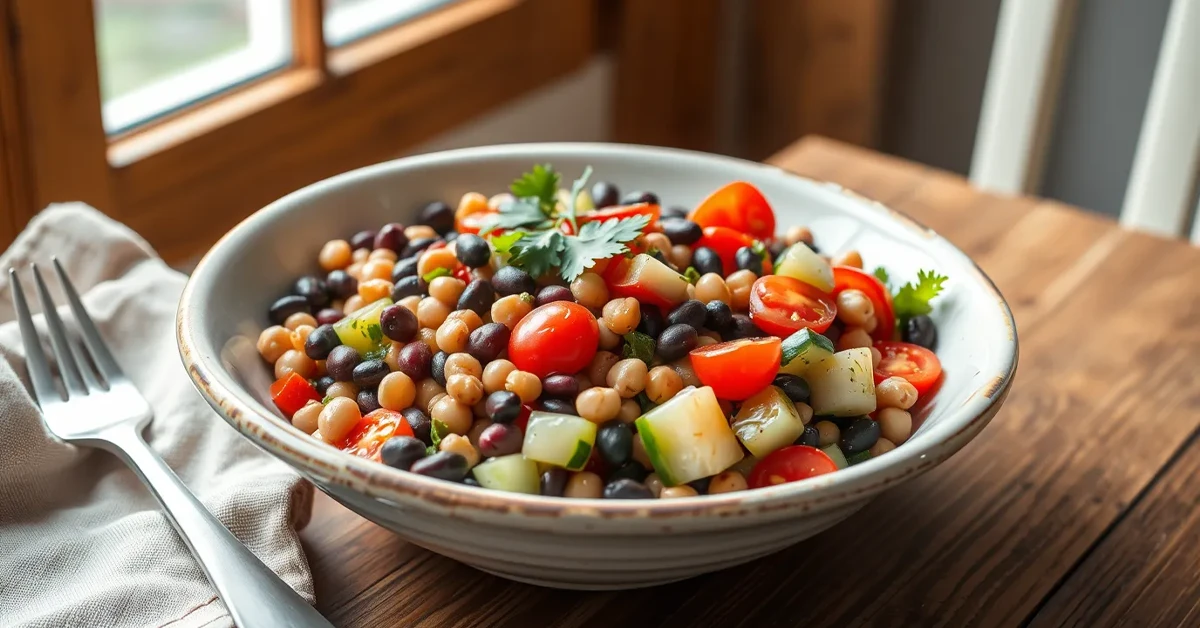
[[1077, 505]]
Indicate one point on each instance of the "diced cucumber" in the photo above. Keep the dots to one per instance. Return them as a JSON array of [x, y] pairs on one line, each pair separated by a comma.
[[843, 385], [688, 437], [767, 421], [800, 262], [360, 330], [859, 457], [835, 453], [804, 349], [514, 473], [562, 440]]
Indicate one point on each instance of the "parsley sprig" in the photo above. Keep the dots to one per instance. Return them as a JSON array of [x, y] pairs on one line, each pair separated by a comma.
[[913, 299]]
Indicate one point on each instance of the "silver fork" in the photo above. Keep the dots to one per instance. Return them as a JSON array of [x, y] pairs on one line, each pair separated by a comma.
[[104, 410]]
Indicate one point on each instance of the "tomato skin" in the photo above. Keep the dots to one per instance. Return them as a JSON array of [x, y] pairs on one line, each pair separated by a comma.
[[462, 272], [646, 279], [472, 222], [372, 430], [738, 369], [916, 364], [559, 337], [292, 392], [622, 211], [726, 242], [738, 206], [790, 464], [782, 306], [848, 277]]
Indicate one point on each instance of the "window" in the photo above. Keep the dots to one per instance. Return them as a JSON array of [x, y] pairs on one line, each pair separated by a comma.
[[348, 20]]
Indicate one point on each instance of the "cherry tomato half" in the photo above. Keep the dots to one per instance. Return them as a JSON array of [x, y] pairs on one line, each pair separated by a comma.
[[782, 306], [292, 392], [372, 430], [559, 337], [790, 464], [848, 277], [726, 242], [916, 364], [738, 206], [623, 211], [738, 369]]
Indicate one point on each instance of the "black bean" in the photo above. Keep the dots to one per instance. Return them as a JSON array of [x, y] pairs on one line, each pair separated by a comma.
[[614, 441], [341, 362], [675, 212], [479, 296], [503, 406], [413, 360], [676, 341], [629, 471], [420, 424], [322, 384], [652, 323], [554, 482], [368, 401], [605, 194], [488, 341], [859, 436], [512, 280], [408, 287], [364, 239], [450, 236], [706, 260], [626, 488], [437, 367], [391, 237], [794, 387], [558, 406], [842, 422], [313, 289], [550, 294], [401, 452], [320, 342], [416, 246], [561, 386], [718, 316], [329, 316], [701, 485], [340, 284], [444, 465], [810, 437], [500, 439], [284, 307], [681, 231], [472, 250], [639, 197], [743, 327], [747, 259], [660, 256], [690, 312], [406, 267], [437, 215], [369, 373], [921, 331], [398, 323]]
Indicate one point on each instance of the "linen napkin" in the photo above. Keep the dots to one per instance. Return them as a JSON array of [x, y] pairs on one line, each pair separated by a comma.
[[82, 542]]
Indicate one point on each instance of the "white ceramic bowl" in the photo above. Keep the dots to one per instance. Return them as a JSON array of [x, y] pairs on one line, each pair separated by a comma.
[[575, 543]]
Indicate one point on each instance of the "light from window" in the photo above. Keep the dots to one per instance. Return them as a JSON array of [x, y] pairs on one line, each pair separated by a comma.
[[347, 20], [157, 56]]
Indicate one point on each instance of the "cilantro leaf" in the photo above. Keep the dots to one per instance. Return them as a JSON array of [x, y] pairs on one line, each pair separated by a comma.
[[913, 300], [325, 401], [882, 275], [515, 214], [438, 431], [598, 240], [541, 184], [576, 189], [537, 253], [638, 345], [502, 243], [692, 275], [435, 273]]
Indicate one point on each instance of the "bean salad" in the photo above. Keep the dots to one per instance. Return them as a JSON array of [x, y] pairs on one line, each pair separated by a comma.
[[580, 342]]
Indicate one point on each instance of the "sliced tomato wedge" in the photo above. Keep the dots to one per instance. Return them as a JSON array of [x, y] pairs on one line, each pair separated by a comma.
[[738, 206], [372, 430], [916, 364], [647, 280], [782, 306], [738, 369], [292, 392], [790, 464], [472, 223], [726, 242], [848, 277], [622, 211]]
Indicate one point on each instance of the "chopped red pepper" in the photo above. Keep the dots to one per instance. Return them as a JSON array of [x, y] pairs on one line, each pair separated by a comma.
[[292, 392]]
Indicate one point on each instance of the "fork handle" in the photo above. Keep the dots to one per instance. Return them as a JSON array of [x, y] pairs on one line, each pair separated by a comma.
[[253, 594]]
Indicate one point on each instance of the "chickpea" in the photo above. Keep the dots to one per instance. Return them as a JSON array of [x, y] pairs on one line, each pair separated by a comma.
[[870, 324], [273, 342], [452, 336], [480, 424], [342, 389], [298, 319], [683, 366], [447, 289], [334, 254], [480, 412], [463, 364], [428, 335], [467, 316], [691, 291], [627, 377], [895, 392], [601, 364], [589, 290], [432, 313], [338, 304], [639, 452], [711, 287], [462, 446], [471, 203], [392, 358], [876, 356], [526, 385], [306, 419], [436, 398], [355, 270], [881, 446], [419, 232], [681, 255], [509, 310], [299, 336], [663, 383], [654, 483], [622, 316], [411, 303], [397, 391], [657, 241], [895, 424], [739, 284], [427, 389], [495, 374], [854, 308], [435, 259], [456, 415], [386, 254], [727, 482], [828, 433], [805, 411], [353, 304], [377, 269], [630, 410], [373, 290], [467, 389], [598, 405], [608, 339], [584, 484], [293, 361], [853, 338], [798, 234], [672, 492], [360, 255], [849, 258], [338, 417]]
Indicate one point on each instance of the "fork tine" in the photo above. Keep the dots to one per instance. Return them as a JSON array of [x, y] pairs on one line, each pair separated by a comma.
[[91, 336], [58, 339], [39, 371]]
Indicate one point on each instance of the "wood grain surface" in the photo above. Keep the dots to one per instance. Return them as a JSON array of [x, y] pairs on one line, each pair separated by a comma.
[[1075, 506]]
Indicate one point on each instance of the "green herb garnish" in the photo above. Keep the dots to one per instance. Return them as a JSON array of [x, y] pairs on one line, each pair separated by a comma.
[[638, 345], [435, 273], [911, 300], [539, 184], [882, 275], [437, 431]]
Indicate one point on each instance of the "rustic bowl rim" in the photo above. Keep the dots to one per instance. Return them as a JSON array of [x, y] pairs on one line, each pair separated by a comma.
[[381, 482]]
